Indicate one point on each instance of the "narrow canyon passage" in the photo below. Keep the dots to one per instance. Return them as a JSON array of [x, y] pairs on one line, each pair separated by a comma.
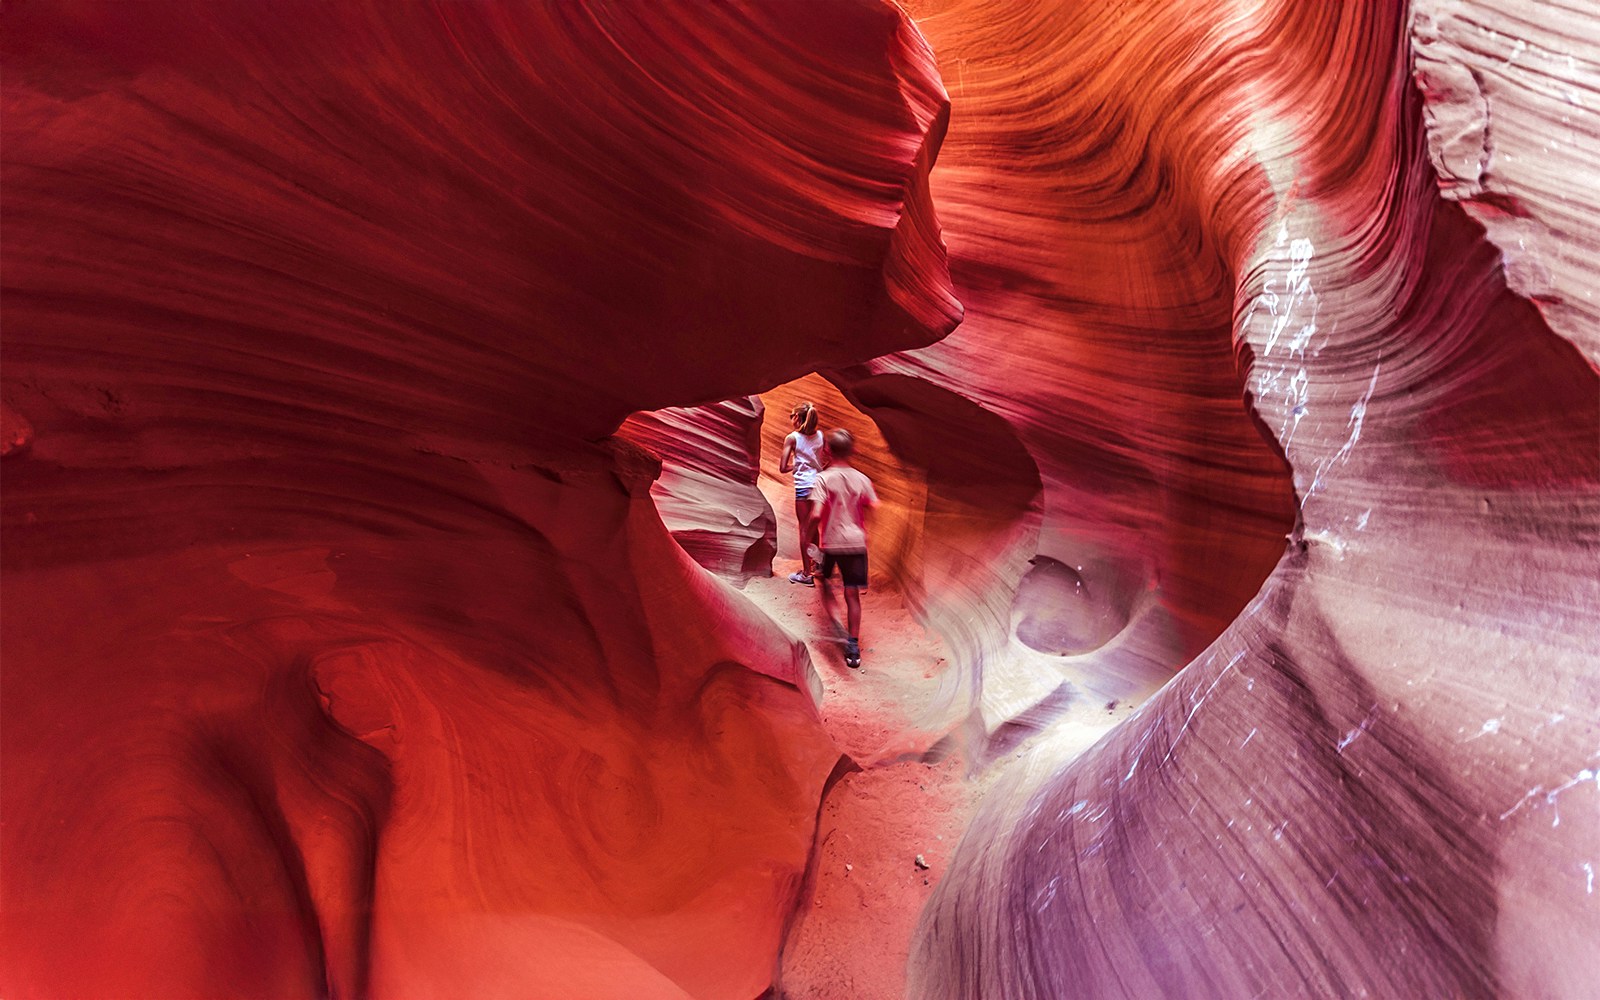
[[916, 762], [394, 576], [923, 729]]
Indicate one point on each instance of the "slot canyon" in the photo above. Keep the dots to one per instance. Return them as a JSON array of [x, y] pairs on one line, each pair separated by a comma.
[[395, 555]]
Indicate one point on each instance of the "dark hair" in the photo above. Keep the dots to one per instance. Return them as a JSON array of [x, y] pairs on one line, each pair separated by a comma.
[[806, 415], [841, 443]]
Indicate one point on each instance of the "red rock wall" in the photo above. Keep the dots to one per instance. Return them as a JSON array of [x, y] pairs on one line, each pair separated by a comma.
[[339, 658], [1087, 411]]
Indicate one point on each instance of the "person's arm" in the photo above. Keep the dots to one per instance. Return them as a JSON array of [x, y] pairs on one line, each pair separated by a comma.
[[786, 462], [867, 500]]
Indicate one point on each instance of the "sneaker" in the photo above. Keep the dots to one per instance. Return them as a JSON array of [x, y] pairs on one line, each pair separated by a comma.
[[801, 579], [852, 653]]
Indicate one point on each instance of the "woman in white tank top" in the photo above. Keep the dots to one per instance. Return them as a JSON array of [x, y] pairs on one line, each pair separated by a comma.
[[805, 455]]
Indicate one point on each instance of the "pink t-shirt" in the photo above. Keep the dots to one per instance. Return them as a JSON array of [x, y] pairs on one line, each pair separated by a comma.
[[843, 495]]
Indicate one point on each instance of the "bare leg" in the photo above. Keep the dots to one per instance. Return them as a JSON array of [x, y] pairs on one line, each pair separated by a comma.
[[827, 600], [852, 609], [815, 539], [802, 515]]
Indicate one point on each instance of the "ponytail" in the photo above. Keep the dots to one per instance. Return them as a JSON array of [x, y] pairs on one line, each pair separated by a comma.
[[805, 416]]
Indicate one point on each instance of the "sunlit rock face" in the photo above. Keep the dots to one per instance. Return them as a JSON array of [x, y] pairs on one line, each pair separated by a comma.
[[1105, 484], [345, 653], [706, 493], [1381, 779], [931, 519], [1511, 95]]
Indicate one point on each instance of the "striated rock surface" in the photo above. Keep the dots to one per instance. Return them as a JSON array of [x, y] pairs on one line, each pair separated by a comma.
[[345, 654], [706, 492], [1512, 109], [1380, 779], [1086, 414], [346, 647]]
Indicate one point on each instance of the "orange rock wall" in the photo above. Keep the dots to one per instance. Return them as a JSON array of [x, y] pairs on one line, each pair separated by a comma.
[[898, 527]]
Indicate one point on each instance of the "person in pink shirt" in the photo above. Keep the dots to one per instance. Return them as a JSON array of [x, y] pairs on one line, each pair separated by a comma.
[[843, 495]]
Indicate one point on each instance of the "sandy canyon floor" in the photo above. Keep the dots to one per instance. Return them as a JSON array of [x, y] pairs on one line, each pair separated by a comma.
[[896, 811]]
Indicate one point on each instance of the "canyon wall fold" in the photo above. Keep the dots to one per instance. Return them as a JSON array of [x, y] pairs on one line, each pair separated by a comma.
[[706, 493], [345, 651], [1380, 778], [1512, 92]]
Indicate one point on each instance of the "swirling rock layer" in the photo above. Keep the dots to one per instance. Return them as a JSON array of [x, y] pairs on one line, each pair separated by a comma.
[[706, 492], [344, 654], [1380, 779]]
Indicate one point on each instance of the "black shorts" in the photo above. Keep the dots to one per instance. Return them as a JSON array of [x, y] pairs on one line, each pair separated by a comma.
[[852, 567]]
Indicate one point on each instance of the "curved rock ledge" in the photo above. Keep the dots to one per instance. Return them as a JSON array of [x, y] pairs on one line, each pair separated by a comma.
[[706, 492]]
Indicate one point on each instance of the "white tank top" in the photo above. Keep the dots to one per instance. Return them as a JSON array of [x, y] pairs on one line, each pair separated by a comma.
[[807, 459]]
